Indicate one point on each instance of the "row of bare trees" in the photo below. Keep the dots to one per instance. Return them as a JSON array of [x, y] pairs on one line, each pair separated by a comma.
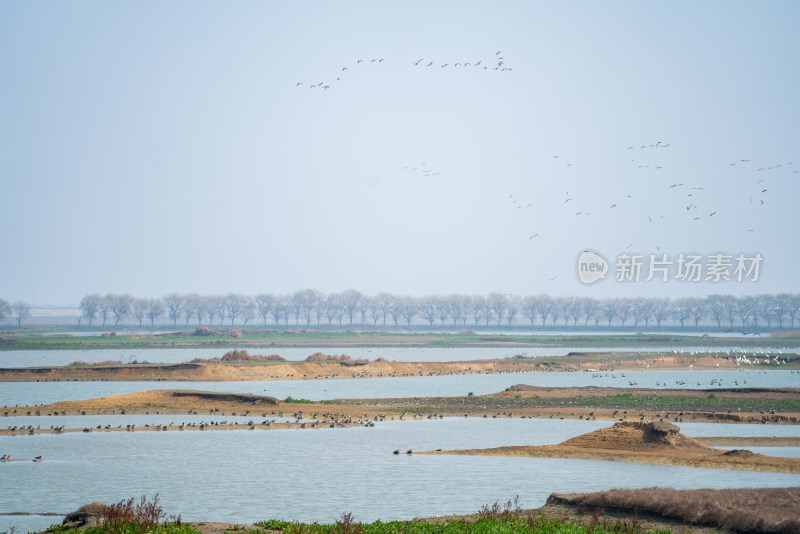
[[350, 307]]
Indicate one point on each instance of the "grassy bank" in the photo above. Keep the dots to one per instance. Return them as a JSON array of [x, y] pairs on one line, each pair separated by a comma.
[[268, 339]]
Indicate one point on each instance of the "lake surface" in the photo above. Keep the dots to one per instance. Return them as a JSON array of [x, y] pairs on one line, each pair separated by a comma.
[[35, 393], [316, 475], [45, 358]]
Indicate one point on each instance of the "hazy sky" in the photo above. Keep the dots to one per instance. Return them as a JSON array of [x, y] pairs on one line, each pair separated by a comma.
[[152, 147]]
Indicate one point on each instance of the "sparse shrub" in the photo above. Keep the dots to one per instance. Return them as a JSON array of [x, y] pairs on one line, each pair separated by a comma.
[[205, 331], [236, 356], [498, 512]]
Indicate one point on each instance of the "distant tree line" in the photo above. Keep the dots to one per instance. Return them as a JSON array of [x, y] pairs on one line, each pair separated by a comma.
[[310, 307]]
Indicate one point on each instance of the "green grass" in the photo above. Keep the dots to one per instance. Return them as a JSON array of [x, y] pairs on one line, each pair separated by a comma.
[[254, 338], [516, 524], [127, 528], [290, 400]]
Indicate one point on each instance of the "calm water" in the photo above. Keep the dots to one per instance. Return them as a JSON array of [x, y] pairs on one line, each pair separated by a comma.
[[33, 393], [316, 475], [36, 358]]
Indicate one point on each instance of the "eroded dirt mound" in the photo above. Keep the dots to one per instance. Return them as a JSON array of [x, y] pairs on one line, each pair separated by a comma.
[[635, 434]]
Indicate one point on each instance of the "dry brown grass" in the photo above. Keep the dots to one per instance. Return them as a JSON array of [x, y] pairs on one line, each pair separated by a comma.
[[736, 510], [320, 357], [105, 363]]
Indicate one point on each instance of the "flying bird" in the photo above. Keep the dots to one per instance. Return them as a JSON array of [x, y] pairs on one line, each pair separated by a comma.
[[534, 235], [417, 63]]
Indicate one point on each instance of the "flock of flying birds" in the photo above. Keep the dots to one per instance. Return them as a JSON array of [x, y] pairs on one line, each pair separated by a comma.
[[496, 63], [683, 200]]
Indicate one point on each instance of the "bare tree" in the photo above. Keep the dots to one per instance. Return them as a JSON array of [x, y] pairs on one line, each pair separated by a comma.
[[374, 307], [428, 308], [408, 306], [234, 305], [201, 310], [106, 303], [386, 302], [139, 310], [476, 307], [794, 309], [155, 309], [5, 309], [442, 308], [566, 308], [529, 308], [248, 310], [219, 303], [396, 309], [544, 307], [21, 311], [744, 309], [264, 304], [590, 309], [333, 307], [280, 309], [512, 308], [189, 306], [783, 306], [660, 310], [458, 308], [610, 310], [624, 310], [683, 310], [498, 303], [121, 307], [699, 309], [307, 301], [716, 307], [90, 305], [350, 301], [642, 311], [174, 304]]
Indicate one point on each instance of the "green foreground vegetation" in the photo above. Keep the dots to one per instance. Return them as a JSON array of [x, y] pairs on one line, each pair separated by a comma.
[[509, 525], [147, 517]]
